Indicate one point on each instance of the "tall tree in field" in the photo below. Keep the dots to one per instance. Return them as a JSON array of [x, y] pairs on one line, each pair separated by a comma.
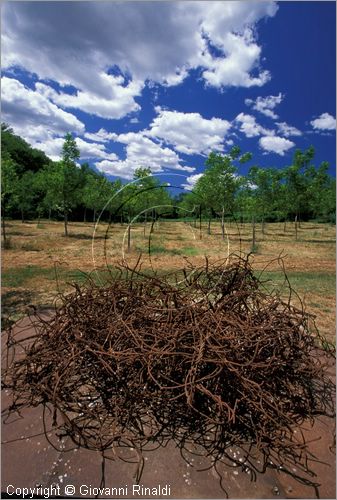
[[95, 192], [114, 198], [321, 192], [9, 181], [151, 193], [297, 183], [190, 204], [66, 179], [266, 182], [219, 184], [71, 179], [26, 193]]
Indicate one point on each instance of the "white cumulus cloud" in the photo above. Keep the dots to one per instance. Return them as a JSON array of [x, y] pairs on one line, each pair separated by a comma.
[[32, 115], [249, 126], [236, 67], [118, 101], [189, 133], [287, 130], [108, 51], [191, 181], [324, 122], [141, 151], [101, 136], [266, 105], [274, 144], [88, 150]]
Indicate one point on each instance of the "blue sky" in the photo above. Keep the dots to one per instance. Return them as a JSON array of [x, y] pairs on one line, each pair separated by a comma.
[[162, 84]]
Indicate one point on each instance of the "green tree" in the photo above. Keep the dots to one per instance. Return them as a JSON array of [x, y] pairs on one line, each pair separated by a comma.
[[8, 188], [266, 183], [220, 183], [26, 191], [63, 181], [297, 182], [321, 192], [96, 192], [24, 156]]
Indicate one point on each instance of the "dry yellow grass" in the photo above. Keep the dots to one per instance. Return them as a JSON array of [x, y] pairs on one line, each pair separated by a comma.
[[39, 250]]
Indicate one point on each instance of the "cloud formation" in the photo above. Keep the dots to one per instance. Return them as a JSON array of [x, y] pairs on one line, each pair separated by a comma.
[[32, 115], [249, 126], [274, 144], [101, 136], [189, 133], [88, 150], [266, 105], [108, 51], [287, 130], [141, 151], [324, 122], [191, 181], [117, 103]]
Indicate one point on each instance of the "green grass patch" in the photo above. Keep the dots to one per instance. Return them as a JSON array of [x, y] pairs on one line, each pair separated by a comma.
[[321, 283], [18, 276], [185, 251]]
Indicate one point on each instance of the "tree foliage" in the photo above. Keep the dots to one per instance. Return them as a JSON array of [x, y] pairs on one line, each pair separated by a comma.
[[33, 185]]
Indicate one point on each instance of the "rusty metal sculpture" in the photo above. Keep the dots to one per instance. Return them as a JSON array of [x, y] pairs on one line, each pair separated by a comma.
[[207, 355]]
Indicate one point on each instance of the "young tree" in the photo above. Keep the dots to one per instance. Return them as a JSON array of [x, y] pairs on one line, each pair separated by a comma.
[[266, 182], [95, 193], [219, 184], [8, 188], [321, 192], [26, 193], [64, 180], [297, 183]]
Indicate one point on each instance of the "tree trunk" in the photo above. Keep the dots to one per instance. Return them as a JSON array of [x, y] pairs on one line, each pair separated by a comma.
[[85, 214], [153, 221], [94, 216], [22, 216], [223, 223], [4, 227], [296, 227], [49, 214], [285, 225], [129, 237], [65, 223], [253, 235], [200, 234], [263, 225], [145, 223], [209, 227]]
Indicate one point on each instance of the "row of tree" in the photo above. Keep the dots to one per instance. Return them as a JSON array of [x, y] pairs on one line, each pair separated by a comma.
[[66, 189], [299, 191], [35, 186]]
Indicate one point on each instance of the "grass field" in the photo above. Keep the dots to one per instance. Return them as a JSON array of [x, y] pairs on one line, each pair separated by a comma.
[[41, 262]]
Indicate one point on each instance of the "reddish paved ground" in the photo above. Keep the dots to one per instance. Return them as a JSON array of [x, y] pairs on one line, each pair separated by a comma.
[[28, 460]]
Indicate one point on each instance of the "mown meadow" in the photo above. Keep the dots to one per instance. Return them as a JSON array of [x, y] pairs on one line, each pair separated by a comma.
[[41, 262]]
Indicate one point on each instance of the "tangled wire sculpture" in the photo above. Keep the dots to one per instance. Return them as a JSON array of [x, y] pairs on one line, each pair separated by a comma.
[[206, 356]]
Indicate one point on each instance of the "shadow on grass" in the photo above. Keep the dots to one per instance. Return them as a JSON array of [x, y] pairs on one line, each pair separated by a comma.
[[83, 236], [15, 305]]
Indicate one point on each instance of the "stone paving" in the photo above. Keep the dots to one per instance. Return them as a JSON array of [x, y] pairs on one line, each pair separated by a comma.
[[30, 461]]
